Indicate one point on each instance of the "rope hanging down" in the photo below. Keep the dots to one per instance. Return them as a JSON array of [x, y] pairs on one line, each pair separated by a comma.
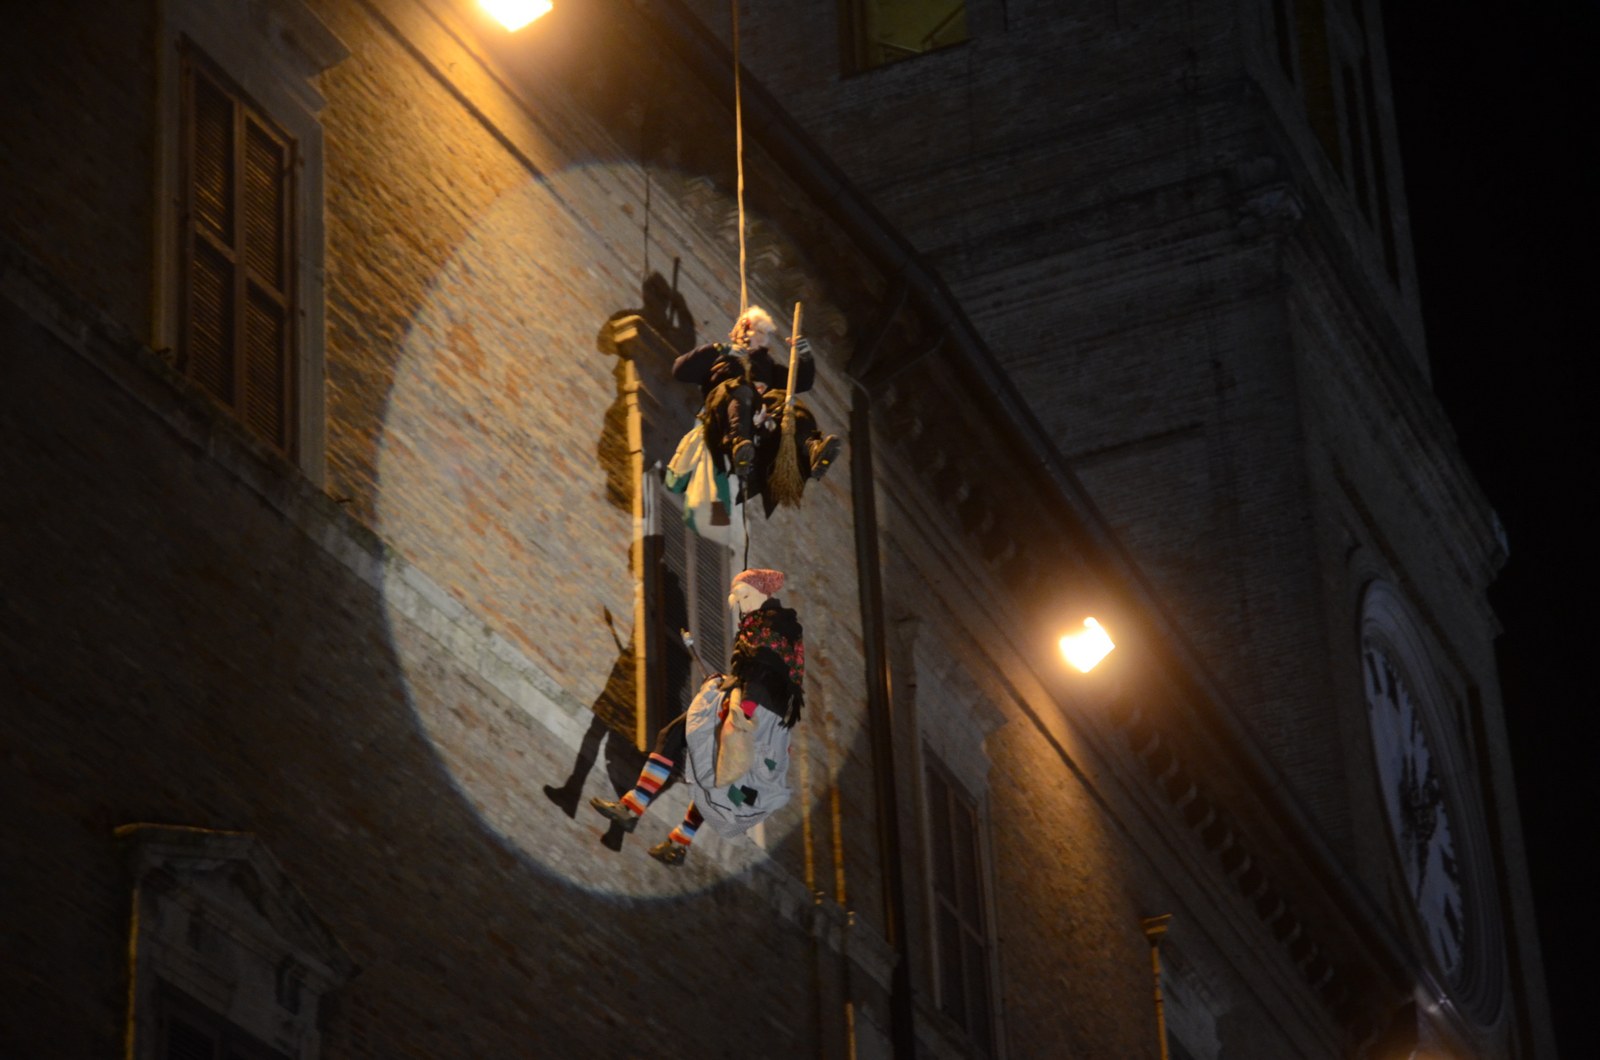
[[738, 158], [738, 152]]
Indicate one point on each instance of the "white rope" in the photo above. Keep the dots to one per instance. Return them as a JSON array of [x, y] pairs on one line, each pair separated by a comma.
[[738, 157], [738, 140]]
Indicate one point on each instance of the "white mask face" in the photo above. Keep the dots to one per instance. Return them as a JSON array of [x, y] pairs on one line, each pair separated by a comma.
[[745, 598]]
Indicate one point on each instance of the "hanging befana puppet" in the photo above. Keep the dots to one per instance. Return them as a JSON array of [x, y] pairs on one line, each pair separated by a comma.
[[753, 437], [733, 741]]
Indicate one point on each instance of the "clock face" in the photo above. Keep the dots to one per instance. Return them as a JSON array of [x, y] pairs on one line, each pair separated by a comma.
[[1413, 794]]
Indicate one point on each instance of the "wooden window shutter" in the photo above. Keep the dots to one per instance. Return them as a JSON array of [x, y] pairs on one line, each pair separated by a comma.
[[711, 601], [960, 935], [237, 332]]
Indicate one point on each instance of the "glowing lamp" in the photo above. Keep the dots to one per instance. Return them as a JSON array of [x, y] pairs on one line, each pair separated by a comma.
[[1086, 648], [514, 14]]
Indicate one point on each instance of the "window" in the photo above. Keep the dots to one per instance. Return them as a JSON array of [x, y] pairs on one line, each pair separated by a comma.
[[228, 961], [239, 306], [886, 31], [954, 720], [682, 573], [961, 946], [186, 1030], [237, 331], [682, 576]]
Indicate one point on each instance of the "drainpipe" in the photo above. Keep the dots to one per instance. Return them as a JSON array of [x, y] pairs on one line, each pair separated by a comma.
[[880, 717]]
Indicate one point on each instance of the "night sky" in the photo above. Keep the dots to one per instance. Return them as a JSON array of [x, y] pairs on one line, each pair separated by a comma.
[[1497, 116]]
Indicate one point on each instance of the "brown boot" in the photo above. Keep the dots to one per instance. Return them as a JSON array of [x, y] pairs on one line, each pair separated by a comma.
[[743, 458], [669, 853], [822, 450]]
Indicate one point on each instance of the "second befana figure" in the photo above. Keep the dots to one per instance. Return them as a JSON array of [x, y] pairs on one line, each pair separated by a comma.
[[742, 423], [733, 741]]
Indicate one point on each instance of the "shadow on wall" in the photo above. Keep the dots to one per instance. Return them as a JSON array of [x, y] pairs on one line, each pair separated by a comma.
[[180, 653], [610, 726], [667, 312], [615, 710]]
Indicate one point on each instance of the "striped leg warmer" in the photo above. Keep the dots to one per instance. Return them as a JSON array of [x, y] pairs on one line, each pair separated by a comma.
[[657, 769], [685, 831]]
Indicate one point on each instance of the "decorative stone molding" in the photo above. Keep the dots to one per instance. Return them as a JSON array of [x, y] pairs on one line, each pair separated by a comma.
[[216, 918], [1211, 823]]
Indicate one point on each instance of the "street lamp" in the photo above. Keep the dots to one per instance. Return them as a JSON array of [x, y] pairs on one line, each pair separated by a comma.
[[1085, 648], [514, 14]]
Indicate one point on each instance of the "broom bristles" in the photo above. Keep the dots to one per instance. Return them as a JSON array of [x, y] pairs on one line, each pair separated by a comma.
[[785, 484]]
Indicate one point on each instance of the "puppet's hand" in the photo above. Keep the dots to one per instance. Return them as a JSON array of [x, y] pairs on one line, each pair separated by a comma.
[[741, 711]]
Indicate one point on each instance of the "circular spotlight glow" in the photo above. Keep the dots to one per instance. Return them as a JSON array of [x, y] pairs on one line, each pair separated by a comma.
[[486, 484]]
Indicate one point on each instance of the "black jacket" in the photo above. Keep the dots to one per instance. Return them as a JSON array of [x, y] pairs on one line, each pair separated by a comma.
[[717, 362]]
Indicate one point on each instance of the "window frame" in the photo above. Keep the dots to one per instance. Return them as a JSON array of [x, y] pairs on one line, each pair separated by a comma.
[[986, 1040], [856, 49], [269, 50]]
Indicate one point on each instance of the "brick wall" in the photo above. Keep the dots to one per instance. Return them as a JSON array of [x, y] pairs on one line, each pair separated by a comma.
[[387, 680], [380, 682], [77, 166]]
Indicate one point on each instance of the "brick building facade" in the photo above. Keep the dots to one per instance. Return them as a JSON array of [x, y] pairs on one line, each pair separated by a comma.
[[336, 577]]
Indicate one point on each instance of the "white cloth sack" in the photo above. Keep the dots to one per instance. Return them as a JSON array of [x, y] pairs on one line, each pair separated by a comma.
[[726, 807]]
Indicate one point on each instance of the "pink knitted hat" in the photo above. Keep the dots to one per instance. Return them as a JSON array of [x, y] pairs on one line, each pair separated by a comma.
[[765, 582]]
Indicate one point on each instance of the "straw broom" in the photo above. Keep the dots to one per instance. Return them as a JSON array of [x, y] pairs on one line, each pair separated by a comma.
[[785, 484]]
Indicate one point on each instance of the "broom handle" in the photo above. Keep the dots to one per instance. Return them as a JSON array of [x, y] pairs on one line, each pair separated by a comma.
[[688, 642], [794, 357]]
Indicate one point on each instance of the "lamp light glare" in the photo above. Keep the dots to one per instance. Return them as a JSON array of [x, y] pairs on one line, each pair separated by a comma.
[[514, 14], [1085, 649]]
